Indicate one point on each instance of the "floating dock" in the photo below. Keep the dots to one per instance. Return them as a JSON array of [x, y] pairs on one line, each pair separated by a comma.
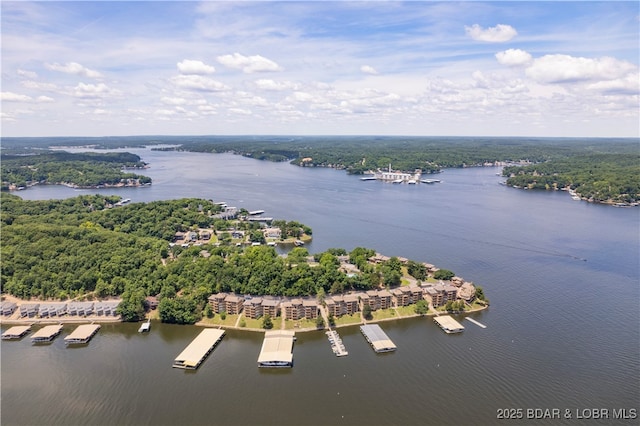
[[193, 355], [46, 334], [277, 349], [16, 332], [336, 343], [82, 334], [476, 322], [448, 324], [377, 338], [145, 326]]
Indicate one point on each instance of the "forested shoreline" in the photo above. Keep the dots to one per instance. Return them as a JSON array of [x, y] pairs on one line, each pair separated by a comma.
[[85, 248], [599, 170]]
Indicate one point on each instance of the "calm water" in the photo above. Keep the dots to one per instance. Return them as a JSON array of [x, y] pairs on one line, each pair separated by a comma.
[[563, 327]]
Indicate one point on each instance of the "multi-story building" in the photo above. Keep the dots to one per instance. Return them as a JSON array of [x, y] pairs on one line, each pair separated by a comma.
[[385, 299], [233, 304], [270, 307], [217, 302], [310, 308], [253, 307], [351, 304]]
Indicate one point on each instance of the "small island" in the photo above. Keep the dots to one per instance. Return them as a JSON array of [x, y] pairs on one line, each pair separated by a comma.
[[198, 261]]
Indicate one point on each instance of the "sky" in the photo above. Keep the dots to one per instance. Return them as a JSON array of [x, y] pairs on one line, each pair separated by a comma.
[[115, 68]]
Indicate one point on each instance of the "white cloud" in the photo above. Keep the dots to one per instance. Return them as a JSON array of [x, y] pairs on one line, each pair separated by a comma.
[[267, 84], [199, 83], [73, 68], [368, 70], [248, 64], [514, 57], [93, 91], [44, 99], [27, 74], [188, 66], [627, 85], [14, 97], [36, 85], [240, 111], [568, 69], [498, 34], [173, 101]]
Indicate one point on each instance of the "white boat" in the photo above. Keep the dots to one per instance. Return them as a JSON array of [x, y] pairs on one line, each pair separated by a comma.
[[145, 326]]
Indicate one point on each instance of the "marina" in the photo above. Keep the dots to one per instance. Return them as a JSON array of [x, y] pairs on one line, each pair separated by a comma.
[[145, 326], [277, 349], [479, 324], [82, 334], [16, 332], [336, 343], [46, 334], [193, 355], [448, 324], [377, 338]]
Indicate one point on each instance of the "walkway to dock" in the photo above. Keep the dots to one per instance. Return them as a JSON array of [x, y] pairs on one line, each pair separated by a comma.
[[476, 322]]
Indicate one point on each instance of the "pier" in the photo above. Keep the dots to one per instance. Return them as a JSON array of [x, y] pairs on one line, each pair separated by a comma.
[[476, 322], [82, 334], [277, 349], [193, 355], [377, 338], [448, 324], [16, 332], [145, 326], [336, 343], [46, 334]]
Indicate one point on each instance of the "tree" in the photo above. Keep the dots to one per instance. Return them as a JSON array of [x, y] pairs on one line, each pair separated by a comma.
[[421, 307], [319, 322], [449, 306], [443, 274], [267, 324], [332, 321], [366, 312], [131, 308], [208, 312]]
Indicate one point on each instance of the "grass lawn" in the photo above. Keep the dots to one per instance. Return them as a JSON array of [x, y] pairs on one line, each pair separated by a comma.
[[381, 314], [257, 323], [299, 324], [230, 320], [349, 319], [405, 311]]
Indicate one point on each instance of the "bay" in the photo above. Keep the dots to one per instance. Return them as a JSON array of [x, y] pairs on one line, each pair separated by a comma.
[[563, 329]]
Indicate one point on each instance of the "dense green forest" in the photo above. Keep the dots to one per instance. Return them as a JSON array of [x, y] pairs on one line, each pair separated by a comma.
[[82, 169], [81, 247], [596, 177]]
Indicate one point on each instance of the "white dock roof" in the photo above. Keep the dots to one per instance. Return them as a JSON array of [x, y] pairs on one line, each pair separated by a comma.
[[47, 332], [448, 324], [18, 330], [193, 354], [83, 332], [277, 347], [378, 338]]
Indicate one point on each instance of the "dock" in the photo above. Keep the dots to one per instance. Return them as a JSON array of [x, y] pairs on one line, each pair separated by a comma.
[[145, 326], [429, 181], [193, 355], [277, 349], [336, 343], [46, 334], [16, 332], [479, 324], [448, 324], [82, 334], [377, 338]]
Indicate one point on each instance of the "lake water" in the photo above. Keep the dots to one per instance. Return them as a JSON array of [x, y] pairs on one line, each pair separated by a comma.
[[563, 329]]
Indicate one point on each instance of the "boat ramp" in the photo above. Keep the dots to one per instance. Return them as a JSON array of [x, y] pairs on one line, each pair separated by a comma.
[[377, 338], [479, 324], [16, 332], [46, 334], [193, 355], [277, 349], [448, 324], [336, 343], [82, 334]]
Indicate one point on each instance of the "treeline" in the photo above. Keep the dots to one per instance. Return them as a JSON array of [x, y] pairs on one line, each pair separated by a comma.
[[62, 249], [597, 177], [82, 169]]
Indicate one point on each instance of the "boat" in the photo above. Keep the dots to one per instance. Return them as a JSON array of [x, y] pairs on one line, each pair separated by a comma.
[[298, 243], [145, 326]]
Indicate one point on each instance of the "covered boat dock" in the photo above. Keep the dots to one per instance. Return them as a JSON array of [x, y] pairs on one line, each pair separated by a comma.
[[16, 332], [46, 334], [377, 338], [277, 349], [193, 355], [448, 324], [82, 334]]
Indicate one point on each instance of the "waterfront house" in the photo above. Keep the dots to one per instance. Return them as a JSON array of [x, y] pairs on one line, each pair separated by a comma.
[[217, 302], [270, 306], [311, 308], [29, 309], [8, 308], [272, 232], [467, 292], [335, 305], [436, 296], [292, 309], [52, 309], [152, 302], [400, 297], [372, 300], [351, 303], [385, 299]]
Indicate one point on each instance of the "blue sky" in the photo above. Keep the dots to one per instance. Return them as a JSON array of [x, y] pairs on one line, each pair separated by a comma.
[[393, 68]]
